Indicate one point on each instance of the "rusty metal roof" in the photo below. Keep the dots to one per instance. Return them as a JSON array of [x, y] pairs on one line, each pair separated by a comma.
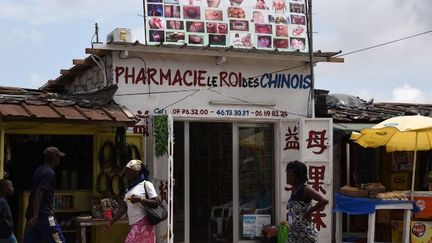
[[18, 104], [369, 112]]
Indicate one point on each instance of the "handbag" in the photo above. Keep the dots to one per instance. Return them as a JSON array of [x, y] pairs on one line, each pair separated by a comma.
[[157, 213]]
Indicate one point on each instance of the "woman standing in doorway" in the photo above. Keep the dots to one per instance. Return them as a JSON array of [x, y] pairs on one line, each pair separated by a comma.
[[299, 206]]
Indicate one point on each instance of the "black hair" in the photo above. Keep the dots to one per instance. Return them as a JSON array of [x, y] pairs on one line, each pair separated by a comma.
[[3, 183], [299, 169]]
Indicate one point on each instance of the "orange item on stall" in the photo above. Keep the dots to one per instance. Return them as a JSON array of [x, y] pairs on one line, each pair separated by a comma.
[[425, 205]]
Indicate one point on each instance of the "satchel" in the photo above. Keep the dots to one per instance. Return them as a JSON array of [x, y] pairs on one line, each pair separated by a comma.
[[157, 213]]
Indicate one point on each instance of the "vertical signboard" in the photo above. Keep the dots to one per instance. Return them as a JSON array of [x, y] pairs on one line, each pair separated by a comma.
[[317, 153], [309, 141], [262, 24], [290, 150]]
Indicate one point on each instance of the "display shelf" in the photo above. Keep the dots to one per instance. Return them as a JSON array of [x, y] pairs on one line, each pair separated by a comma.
[[67, 205]]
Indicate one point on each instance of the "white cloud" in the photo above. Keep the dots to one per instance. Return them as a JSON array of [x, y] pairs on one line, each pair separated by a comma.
[[408, 94], [41, 12], [36, 80], [23, 35]]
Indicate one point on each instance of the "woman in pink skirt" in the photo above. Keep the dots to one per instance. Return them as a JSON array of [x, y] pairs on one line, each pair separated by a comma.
[[134, 201]]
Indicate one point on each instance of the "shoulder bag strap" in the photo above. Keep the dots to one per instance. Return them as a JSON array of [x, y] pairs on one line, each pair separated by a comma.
[[145, 189]]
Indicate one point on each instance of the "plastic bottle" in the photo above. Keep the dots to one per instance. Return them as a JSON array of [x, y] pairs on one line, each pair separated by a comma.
[[282, 233]]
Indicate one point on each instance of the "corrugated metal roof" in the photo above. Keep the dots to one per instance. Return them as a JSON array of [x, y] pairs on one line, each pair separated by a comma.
[[369, 112], [18, 104]]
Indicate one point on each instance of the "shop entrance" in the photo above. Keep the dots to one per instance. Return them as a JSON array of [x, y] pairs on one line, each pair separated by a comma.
[[23, 154], [222, 172]]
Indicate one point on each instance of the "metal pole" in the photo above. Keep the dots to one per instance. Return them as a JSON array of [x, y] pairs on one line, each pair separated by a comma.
[[311, 63], [144, 18]]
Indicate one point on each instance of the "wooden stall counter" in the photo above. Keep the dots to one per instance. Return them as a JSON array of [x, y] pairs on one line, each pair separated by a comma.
[[356, 205], [83, 223]]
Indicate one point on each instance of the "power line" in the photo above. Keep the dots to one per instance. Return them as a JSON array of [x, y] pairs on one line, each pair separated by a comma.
[[384, 44]]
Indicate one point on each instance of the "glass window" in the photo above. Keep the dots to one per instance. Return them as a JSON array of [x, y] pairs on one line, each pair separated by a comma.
[[256, 180]]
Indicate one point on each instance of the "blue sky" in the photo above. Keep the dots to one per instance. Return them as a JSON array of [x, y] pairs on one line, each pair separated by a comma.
[[40, 37]]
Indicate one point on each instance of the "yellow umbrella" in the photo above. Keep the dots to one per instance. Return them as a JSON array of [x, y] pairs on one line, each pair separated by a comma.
[[403, 133]]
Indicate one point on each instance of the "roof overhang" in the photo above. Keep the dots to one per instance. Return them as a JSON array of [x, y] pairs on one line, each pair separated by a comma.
[[318, 56]]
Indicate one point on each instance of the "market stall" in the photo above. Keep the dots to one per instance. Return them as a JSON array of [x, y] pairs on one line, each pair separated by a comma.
[[405, 166], [31, 120]]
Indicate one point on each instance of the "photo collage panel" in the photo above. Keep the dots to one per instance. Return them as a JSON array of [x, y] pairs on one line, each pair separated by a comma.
[[261, 24]]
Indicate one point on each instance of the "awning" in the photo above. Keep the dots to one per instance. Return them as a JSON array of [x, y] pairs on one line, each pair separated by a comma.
[[24, 105]]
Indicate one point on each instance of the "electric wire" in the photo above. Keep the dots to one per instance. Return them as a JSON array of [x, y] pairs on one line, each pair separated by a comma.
[[101, 65]]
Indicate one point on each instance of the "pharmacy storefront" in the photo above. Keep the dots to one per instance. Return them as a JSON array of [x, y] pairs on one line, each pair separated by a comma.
[[235, 121]]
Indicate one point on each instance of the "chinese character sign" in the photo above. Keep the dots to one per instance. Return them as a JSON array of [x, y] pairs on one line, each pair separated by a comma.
[[262, 24], [317, 137], [290, 140], [319, 180]]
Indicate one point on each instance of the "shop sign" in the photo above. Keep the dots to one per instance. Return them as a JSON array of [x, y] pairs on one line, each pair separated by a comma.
[[261, 24], [198, 88], [309, 140]]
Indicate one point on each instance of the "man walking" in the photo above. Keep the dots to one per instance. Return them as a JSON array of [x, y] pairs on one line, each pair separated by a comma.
[[41, 224]]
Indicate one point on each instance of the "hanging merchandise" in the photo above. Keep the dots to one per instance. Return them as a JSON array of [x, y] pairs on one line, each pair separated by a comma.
[[160, 134], [107, 156], [120, 147], [103, 183], [117, 184]]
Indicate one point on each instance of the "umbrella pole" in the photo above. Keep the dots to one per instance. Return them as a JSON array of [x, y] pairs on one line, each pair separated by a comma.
[[414, 168]]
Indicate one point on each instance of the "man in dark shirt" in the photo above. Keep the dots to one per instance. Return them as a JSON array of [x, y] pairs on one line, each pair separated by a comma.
[[6, 220], [41, 223]]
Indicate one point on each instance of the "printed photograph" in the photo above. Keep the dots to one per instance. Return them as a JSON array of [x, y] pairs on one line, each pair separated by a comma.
[[297, 43], [171, 1], [241, 40], [191, 12], [297, 8], [281, 30], [235, 12], [212, 14], [196, 39], [172, 11], [298, 30], [278, 19], [263, 29], [156, 36], [155, 10], [191, 2], [260, 4], [174, 24], [279, 6], [174, 37], [195, 26], [259, 17], [264, 41], [217, 40], [235, 3], [280, 43], [298, 19], [219, 28], [239, 25], [213, 3], [156, 23]]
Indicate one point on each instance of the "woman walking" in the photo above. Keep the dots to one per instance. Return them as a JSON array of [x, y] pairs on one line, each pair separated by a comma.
[[139, 193]]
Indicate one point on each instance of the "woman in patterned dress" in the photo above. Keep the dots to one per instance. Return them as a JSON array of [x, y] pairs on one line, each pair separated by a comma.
[[300, 209]]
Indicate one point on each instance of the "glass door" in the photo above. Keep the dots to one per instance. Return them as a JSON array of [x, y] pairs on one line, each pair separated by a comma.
[[224, 174], [256, 188]]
